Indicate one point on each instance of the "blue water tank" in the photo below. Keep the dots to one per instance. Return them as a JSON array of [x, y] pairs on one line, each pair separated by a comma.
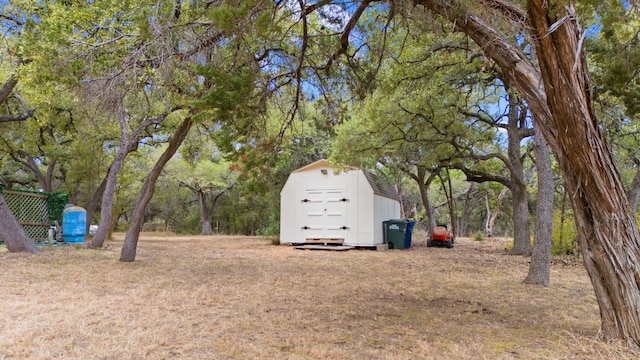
[[74, 223]]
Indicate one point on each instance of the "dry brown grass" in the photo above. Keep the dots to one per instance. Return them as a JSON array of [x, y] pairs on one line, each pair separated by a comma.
[[242, 298]]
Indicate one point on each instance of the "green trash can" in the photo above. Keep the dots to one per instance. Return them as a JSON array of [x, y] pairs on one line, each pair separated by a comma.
[[394, 233]]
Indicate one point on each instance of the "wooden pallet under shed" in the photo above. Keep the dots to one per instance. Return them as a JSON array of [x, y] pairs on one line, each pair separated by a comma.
[[331, 244], [324, 247]]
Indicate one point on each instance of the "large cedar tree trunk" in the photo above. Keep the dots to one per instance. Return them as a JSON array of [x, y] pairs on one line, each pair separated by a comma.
[[12, 233], [130, 245], [609, 237], [558, 92]]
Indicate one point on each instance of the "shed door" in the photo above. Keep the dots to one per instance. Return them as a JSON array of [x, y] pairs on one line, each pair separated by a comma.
[[325, 214]]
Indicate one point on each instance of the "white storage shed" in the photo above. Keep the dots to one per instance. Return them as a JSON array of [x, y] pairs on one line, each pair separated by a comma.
[[320, 204]]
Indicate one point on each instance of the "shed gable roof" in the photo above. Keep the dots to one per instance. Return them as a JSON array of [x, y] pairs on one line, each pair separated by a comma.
[[379, 186], [320, 164]]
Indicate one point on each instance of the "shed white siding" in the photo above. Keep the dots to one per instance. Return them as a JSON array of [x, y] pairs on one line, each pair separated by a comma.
[[319, 202]]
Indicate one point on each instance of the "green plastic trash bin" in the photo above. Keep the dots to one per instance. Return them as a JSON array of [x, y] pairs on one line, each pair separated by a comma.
[[395, 233]]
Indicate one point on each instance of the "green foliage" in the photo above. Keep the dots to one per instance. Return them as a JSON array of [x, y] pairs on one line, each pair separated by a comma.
[[411, 117], [229, 104], [187, 225], [228, 90], [478, 236], [615, 52], [55, 203], [564, 235], [271, 231]]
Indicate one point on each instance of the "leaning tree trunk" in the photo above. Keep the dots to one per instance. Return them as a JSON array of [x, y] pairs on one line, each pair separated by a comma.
[[130, 244], [559, 96], [12, 233], [540, 266], [92, 205], [609, 237], [106, 208], [129, 143]]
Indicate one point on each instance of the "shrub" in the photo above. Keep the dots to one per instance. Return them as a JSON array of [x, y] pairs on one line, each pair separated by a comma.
[[563, 235], [187, 225], [271, 231], [478, 236], [273, 228]]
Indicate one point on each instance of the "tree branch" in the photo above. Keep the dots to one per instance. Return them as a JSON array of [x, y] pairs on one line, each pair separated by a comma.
[[311, 8], [344, 38], [480, 176], [16, 117], [7, 88], [106, 42], [509, 9]]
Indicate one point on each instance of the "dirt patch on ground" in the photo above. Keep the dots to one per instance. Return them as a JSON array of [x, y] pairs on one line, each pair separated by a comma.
[[243, 298]]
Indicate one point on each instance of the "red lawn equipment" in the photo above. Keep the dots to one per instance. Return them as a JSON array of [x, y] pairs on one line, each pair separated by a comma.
[[441, 236]]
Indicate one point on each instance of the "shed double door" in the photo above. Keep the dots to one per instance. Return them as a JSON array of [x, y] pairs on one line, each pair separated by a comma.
[[324, 212]]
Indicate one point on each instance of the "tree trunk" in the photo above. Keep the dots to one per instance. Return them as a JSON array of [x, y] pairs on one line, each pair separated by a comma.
[[563, 217], [488, 227], [559, 96], [540, 266], [205, 215], [12, 233], [521, 236], [516, 128], [130, 245], [423, 186], [492, 216], [106, 208], [206, 229], [452, 214], [10, 230], [92, 206], [609, 237], [129, 143]]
